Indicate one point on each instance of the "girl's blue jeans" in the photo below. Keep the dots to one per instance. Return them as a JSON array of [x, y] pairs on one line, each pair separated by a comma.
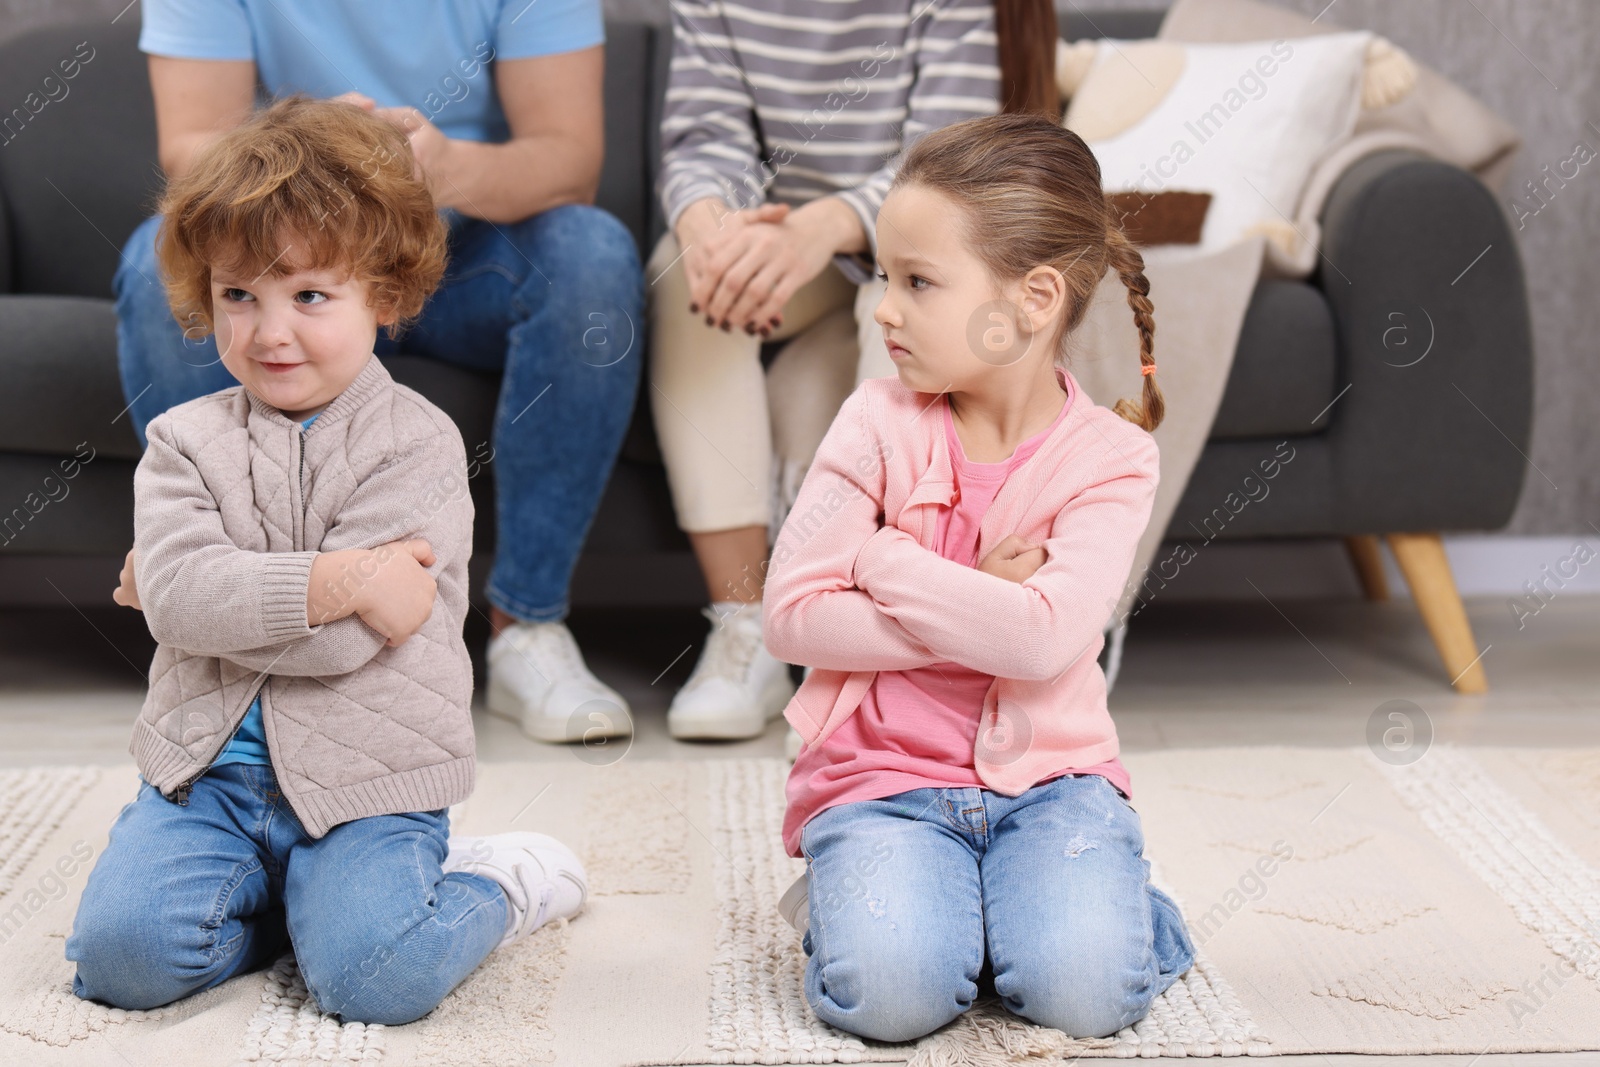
[[553, 304], [912, 894], [186, 897]]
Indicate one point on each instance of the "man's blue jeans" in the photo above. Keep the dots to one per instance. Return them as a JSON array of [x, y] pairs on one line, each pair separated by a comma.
[[911, 894], [187, 896], [554, 301]]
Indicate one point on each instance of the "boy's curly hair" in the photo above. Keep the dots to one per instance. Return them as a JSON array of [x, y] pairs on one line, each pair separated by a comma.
[[303, 185]]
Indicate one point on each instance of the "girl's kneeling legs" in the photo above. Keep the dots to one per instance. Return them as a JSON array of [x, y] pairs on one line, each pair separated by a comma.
[[896, 922], [1078, 938]]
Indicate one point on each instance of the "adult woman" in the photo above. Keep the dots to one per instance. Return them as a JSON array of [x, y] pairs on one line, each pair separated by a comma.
[[782, 132]]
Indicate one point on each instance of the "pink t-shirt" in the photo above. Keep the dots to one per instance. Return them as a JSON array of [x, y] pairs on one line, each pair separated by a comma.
[[918, 728]]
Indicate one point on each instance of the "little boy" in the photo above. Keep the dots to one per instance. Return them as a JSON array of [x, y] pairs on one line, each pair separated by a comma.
[[301, 547]]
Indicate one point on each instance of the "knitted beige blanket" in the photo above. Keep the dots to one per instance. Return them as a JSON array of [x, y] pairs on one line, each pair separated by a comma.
[[1447, 906]]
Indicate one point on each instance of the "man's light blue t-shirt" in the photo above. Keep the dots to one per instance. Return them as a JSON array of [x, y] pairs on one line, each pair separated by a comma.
[[430, 55], [249, 742]]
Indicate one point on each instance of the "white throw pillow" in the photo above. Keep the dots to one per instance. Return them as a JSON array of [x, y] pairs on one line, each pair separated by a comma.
[[1245, 122]]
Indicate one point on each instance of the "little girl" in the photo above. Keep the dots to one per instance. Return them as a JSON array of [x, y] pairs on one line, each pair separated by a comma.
[[946, 571]]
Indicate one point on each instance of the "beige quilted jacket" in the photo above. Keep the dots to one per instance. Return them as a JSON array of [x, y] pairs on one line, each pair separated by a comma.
[[232, 501]]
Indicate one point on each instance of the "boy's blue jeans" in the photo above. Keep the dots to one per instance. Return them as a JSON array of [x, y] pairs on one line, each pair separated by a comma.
[[185, 897], [554, 301], [911, 894]]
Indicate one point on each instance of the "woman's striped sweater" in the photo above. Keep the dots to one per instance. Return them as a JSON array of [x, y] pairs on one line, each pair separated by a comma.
[[791, 100]]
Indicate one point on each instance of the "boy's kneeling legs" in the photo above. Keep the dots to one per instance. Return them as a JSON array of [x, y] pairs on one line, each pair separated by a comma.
[[381, 934], [177, 903], [896, 926]]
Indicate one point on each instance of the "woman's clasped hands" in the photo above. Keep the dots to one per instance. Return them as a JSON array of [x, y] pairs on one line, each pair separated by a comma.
[[743, 266]]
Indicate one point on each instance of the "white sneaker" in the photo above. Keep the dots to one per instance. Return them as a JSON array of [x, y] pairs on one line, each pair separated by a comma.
[[736, 688], [537, 679], [796, 906], [542, 878]]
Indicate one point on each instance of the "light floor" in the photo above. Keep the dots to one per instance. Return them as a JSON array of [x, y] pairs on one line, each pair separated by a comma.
[[1300, 672], [1193, 674]]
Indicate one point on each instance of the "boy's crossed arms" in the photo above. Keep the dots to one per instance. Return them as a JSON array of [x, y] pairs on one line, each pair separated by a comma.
[[202, 593], [374, 583]]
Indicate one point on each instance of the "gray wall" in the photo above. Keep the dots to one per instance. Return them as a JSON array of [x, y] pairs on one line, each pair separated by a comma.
[[1532, 61]]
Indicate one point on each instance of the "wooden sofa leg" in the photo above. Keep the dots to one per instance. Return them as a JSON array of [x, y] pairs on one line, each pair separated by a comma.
[[1427, 571], [1366, 555]]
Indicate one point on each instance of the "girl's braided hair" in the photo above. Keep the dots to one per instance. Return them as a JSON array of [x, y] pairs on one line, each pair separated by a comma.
[[1032, 189]]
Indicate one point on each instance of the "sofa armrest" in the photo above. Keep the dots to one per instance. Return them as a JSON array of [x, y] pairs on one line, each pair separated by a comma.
[[1425, 279]]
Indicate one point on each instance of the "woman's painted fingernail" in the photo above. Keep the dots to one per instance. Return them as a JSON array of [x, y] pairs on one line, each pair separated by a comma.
[[726, 326], [694, 308], [749, 328], [766, 331], [710, 321]]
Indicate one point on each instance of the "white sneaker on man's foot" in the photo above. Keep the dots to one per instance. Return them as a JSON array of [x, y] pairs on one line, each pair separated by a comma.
[[537, 679], [542, 878], [736, 688]]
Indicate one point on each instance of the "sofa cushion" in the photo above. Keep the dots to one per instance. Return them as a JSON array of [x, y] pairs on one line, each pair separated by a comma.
[[63, 506], [81, 173], [1194, 122], [59, 366]]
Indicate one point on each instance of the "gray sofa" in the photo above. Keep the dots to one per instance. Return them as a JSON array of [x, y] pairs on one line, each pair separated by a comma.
[[1398, 450]]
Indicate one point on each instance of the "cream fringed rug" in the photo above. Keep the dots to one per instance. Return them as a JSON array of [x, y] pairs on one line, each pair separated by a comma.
[[1338, 904]]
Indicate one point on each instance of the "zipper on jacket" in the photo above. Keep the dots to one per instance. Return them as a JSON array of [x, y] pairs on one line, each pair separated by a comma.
[[300, 486], [180, 795]]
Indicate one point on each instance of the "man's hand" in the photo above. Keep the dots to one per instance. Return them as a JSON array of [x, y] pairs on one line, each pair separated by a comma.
[[361, 100], [429, 146], [127, 594], [432, 152], [1013, 559], [387, 586]]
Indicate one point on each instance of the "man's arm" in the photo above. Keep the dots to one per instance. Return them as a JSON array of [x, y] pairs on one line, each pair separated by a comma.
[[554, 107], [197, 99]]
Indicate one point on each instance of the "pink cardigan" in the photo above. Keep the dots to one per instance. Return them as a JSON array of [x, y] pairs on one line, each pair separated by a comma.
[[854, 586]]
